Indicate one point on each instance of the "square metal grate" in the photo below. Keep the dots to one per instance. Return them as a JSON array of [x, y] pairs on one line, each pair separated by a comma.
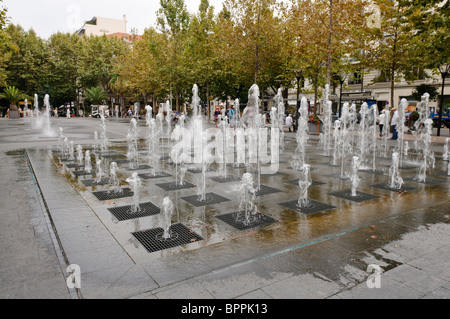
[[265, 190], [376, 171], [63, 159], [211, 198], [295, 182], [83, 173], [74, 165], [172, 186], [199, 170], [156, 175], [140, 167], [113, 156], [386, 187], [313, 207], [153, 241], [125, 212], [225, 179], [360, 196], [105, 195], [122, 161], [239, 221], [92, 182]]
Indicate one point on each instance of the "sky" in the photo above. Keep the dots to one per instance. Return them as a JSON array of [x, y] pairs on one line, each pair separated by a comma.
[[46, 17]]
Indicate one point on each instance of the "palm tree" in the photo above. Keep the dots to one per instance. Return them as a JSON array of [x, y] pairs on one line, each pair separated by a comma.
[[13, 95], [95, 95]]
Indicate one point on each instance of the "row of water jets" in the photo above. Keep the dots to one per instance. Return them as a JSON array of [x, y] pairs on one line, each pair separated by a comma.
[[345, 136]]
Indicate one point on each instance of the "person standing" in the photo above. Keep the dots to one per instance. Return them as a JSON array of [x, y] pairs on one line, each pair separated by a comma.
[[381, 119], [289, 121], [394, 124]]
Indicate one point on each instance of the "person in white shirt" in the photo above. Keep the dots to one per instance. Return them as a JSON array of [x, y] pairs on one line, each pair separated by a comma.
[[394, 124], [289, 121]]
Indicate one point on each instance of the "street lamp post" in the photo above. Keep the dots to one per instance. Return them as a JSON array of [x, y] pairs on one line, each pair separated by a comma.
[[445, 70], [298, 76]]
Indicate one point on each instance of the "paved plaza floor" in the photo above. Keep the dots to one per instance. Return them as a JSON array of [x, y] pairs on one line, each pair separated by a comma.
[[392, 245]]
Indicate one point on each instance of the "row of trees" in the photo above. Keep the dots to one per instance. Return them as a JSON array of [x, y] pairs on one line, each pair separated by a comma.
[[249, 41]]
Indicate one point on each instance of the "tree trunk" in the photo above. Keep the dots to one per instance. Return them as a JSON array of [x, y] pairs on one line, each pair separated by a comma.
[[329, 44]]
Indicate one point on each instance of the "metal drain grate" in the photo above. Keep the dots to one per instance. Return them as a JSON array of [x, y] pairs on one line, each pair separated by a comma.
[[74, 165], [105, 195], [226, 179], [122, 161], [211, 198], [314, 207], [139, 167], [172, 186], [62, 159], [151, 176], [265, 190], [295, 182], [236, 165], [113, 156], [239, 221], [125, 213], [199, 170], [83, 173], [92, 182], [386, 187], [360, 196], [152, 239]]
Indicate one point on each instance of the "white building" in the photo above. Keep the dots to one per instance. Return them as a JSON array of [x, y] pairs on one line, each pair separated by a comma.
[[103, 26]]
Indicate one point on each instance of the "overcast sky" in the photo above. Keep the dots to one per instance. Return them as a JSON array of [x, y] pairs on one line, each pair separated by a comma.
[[46, 17]]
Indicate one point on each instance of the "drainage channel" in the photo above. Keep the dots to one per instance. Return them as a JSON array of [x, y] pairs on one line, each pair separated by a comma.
[[75, 293]]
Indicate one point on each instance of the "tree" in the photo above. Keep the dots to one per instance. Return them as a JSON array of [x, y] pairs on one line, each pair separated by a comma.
[[425, 88], [63, 77], [28, 63], [13, 95], [393, 46], [95, 95], [173, 21]]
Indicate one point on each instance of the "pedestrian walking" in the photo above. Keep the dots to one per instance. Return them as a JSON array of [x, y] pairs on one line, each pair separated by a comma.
[[289, 121]]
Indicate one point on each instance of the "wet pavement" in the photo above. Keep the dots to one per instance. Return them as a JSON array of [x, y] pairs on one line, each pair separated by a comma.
[[50, 220]]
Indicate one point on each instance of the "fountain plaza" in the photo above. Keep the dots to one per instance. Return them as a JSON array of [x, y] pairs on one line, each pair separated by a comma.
[[150, 208]]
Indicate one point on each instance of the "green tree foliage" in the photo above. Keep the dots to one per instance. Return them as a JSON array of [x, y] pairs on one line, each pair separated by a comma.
[[13, 95], [95, 95]]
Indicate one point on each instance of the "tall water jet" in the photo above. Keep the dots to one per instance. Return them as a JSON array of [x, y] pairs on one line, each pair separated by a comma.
[[386, 127], [304, 183], [364, 132], [401, 127], [132, 153], [79, 155], [427, 155], [113, 179], [154, 153], [354, 175], [99, 174], [148, 114], [87, 162], [278, 119], [346, 119], [47, 130], [195, 104], [96, 144], [445, 152], [373, 131], [71, 151], [337, 134], [135, 183], [302, 135], [248, 211], [396, 181], [326, 119], [167, 210], [103, 136]]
